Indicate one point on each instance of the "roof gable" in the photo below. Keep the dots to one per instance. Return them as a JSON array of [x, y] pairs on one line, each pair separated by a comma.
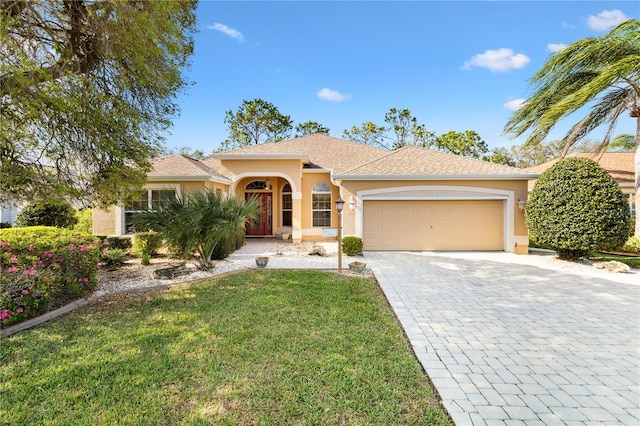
[[323, 151]]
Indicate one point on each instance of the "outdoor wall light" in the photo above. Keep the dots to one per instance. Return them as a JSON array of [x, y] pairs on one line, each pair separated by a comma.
[[352, 203], [521, 204], [267, 184]]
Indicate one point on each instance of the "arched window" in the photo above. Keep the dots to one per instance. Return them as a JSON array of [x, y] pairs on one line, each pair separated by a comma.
[[321, 205], [287, 205], [257, 184]]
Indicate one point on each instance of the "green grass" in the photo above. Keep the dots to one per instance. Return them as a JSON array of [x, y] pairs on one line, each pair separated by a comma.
[[633, 262], [263, 348]]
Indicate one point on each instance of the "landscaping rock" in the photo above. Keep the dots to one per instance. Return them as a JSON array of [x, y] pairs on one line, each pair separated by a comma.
[[317, 250], [613, 266]]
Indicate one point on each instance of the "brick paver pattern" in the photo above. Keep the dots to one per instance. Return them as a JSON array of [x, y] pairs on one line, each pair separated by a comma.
[[518, 344]]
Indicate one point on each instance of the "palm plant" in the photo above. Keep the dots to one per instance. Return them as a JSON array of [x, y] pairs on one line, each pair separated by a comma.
[[601, 73], [199, 222]]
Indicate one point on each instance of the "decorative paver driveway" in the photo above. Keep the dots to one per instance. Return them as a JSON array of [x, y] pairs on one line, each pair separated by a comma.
[[508, 341]]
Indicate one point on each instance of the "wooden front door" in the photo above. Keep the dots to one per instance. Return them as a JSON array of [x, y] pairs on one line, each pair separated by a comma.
[[263, 224]]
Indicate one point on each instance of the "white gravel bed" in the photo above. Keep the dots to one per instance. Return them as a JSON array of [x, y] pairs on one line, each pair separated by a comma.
[[134, 276]]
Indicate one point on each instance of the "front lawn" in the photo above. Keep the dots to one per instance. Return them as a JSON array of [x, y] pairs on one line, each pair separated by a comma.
[[265, 347]]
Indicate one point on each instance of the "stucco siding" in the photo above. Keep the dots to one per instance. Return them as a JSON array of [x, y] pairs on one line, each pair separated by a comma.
[[104, 221]]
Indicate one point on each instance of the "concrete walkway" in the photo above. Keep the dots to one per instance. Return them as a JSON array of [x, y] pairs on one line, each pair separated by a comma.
[[506, 339]]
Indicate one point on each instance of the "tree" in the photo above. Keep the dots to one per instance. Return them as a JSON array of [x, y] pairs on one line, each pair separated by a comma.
[[624, 142], [576, 207], [199, 222], [47, 213], [256, 121], [406, 130], [368, 133], [467, 144], [87, 90], [501, 156], [310, 128], [602, 74], [402, 130]]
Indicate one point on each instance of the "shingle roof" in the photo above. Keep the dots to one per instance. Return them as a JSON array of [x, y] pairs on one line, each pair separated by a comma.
[[427, 163], [620, 165], [180, 165], [323, 151]]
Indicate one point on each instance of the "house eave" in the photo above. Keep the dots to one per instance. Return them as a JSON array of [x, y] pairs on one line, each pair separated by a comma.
[[527, 176]]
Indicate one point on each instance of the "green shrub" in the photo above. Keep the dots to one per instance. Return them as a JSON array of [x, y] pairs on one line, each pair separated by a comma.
[[42, 268], [145, 259], [47, 213], [113, 258], [352, 246], [5, 225], [146, 243], [85, 221], [576, 207], [122, 243], [225, 247], [632, 245]]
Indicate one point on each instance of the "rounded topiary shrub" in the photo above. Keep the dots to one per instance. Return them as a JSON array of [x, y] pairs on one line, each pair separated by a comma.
[[576, 207], [352, 246], [47, 213]]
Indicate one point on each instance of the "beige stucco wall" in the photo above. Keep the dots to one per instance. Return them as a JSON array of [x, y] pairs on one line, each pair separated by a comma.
[[107, 222], [518, 188], [104, 221], [302, 217]]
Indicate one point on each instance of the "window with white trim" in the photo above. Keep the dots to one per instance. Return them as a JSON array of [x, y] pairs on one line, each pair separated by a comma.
[[321, 205], [287, 205], [142, 201]]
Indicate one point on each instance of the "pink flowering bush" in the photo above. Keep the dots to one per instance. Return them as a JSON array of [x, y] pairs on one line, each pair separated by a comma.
[[42, 268]]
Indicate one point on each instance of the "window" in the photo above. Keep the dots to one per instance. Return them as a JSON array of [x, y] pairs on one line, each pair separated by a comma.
[[321, 205], [286, 205], [257, 184], [147, 199]]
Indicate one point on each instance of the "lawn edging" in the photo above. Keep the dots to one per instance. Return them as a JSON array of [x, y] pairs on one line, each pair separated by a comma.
[[13, 329]]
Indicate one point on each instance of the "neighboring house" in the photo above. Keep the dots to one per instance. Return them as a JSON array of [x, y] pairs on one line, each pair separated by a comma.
[[8, 213], [620, 165], [409, 199]]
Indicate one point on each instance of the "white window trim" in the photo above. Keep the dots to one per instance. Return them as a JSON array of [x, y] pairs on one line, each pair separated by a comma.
[[330, 209], [282, 210], [120, 208]]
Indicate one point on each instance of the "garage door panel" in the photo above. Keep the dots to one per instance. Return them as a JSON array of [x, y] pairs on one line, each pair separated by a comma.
[[434, 225]]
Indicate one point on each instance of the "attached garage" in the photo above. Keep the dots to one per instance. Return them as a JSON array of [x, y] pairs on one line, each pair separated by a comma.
[[434, 224]]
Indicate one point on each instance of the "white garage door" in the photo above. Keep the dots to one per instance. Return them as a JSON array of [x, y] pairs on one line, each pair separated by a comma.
[[434, 225]]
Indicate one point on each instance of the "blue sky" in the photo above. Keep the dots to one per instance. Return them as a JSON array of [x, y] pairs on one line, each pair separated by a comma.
[[456, 65]]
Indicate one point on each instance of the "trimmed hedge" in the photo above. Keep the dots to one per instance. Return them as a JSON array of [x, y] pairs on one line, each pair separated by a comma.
[[43, 268], [352, 245], [576, 207], [47, 213]]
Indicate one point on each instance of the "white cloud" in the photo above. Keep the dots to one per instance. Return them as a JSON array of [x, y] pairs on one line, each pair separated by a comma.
[[555, 47], [226, 30], [514, 104], [606, 20], [332, 95], [500, 60]]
